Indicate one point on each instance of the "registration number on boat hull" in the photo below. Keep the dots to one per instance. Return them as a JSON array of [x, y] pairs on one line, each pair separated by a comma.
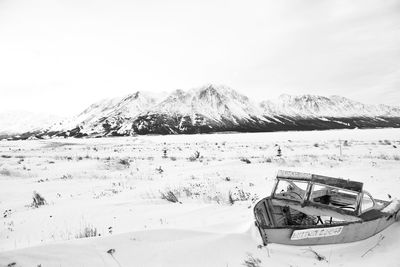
[[316, 232]]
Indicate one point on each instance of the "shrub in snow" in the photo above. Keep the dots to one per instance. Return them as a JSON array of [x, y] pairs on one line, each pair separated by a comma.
[[88, 231], [38, 200], [245, 160], [7, 213], [387, 142], [124, 162], [170, 196], [66, 177], [231, 200], [159, 170], [384, 157], [251, 261], [237, 195], [279, 152], [165, 153], [187, 191], [195, 156], [317, 255]]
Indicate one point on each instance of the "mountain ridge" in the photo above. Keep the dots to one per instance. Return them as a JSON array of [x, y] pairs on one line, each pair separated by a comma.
[[19, 121], [214, 108]]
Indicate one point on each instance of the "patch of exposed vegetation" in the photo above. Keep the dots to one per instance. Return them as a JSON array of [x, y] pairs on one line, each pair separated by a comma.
[[170, 196], [38, 200], [88, 231]]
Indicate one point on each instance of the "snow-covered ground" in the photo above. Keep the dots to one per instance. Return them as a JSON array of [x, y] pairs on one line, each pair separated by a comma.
[[114, 186]]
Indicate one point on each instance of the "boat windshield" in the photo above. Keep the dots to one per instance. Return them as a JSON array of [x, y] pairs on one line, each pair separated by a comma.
[[332, 196], [367, 202], [292, 190]]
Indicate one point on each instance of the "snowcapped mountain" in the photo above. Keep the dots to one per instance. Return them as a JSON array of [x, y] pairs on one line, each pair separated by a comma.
[[107, 117], [208, 108], [17, 122], [212, 108], [214, 102], [308, 106]]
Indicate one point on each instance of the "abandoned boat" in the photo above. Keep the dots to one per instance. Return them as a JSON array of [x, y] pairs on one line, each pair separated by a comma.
[[309, 209]]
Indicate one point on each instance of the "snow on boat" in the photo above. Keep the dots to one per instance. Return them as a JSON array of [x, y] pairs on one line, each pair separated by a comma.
[[309, 209]]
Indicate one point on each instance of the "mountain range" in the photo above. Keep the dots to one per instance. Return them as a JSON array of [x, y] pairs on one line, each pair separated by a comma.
[[18, 121], [212, 108]]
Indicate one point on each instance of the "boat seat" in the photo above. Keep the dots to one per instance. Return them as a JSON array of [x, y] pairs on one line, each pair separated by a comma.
[[325, 199]]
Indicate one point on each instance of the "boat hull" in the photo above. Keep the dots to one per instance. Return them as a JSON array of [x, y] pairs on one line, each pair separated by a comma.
[[349, 232]]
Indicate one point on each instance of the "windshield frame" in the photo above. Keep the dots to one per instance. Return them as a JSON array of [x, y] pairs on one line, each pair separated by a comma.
[[291, 181]]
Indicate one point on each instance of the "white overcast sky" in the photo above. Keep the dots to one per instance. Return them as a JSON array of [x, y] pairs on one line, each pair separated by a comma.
[[60, 56]]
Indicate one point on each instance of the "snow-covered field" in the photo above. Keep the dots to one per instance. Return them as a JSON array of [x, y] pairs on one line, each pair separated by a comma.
[[113, 187]]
